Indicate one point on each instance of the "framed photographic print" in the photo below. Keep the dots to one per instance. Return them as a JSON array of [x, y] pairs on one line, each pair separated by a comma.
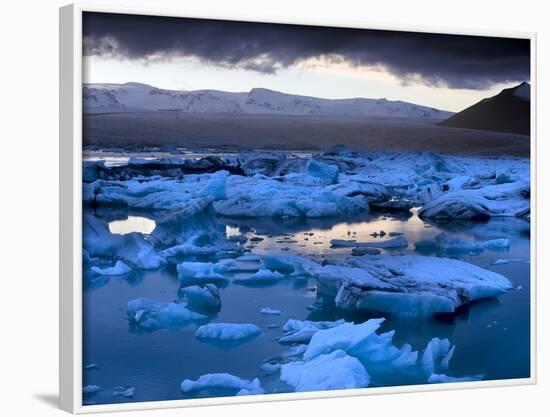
[[266, 209]]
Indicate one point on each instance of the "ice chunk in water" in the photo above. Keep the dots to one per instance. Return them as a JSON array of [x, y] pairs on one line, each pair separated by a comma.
[[453, 244], [270, 311], [206, 297], [201, 271], [150, 315], [442, 379], [263, 276], [332, 371], [327, 173], [298, 331], [120, 268], [223, 381], [124, 391], [90, 389], [228, 331], [436, 356]]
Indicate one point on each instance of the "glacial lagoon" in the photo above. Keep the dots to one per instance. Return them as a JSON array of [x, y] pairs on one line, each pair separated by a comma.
[[491, 335]]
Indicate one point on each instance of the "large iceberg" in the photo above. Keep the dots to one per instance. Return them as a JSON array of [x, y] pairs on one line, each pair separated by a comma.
[[131, 248], [352, 355], [406, 286]]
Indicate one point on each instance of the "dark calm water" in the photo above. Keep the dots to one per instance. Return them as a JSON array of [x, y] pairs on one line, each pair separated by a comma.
[[491, 337]]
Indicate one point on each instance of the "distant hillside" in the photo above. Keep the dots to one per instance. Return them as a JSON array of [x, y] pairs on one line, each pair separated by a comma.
[[509, 111], [104, 98]]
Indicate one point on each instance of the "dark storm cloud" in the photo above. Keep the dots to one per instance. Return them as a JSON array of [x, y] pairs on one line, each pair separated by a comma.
[[444, 60]]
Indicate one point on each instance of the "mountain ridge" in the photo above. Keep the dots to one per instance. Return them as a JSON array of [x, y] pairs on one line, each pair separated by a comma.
[[508, 111], [134, 96]]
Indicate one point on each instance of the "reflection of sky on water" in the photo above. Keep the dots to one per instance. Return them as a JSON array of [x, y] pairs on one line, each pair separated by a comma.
[[491, 336], [132, 224]]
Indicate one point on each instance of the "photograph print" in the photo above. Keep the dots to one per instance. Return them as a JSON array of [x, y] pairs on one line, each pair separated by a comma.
[[276, 208]]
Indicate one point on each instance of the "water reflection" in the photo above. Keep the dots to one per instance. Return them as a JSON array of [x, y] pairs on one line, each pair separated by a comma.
[[132, 224]]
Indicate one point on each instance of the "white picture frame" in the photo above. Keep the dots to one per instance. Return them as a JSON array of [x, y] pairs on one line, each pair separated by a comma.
[[70, 154]]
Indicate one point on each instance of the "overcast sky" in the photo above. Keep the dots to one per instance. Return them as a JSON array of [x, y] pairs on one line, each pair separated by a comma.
[[449, 72]]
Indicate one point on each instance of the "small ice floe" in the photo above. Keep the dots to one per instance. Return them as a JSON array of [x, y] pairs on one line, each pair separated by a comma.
[[360, 251], [451, 244], [270, 311], [124, 391], [298, 331], [223, 381], [519, 287], [91, 366], [443, 379], [120, 268], [263, 276], [397, 242], [90, 389], [228, 331], [509, 261], [202, 298], [150, 315], [202, 271]]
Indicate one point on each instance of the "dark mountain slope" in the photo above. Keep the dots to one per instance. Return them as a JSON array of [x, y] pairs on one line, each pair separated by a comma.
[[509, 111]]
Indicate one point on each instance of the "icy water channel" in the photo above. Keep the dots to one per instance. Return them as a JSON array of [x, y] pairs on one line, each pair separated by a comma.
[[491, 337]]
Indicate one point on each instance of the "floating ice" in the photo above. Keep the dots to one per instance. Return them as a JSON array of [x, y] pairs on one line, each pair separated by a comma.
[[132, 248], [201, 271], [223, 381], [397, 242], [263, 276], [124, 391], [298, 331], [90, 389], [120, 268], [227, 331], [206, 297], [150, 315], [501, 200], [332, 371], [443, 379], [270, 311], [452, 244], [409, 285], [328, 174], [509, 261]]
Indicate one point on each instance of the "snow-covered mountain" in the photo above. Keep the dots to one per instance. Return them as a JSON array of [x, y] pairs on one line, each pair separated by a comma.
[[99, 98]]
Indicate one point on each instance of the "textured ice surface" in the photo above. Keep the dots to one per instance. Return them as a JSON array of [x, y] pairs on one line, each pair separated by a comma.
[[224, 381], [227, 331], [202, 298], [333, 371], [298, 331], [120, 268], [150, 315], [351, 355]]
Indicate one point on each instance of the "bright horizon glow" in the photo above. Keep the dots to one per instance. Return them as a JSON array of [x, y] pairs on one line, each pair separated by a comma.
[[314, 78]]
